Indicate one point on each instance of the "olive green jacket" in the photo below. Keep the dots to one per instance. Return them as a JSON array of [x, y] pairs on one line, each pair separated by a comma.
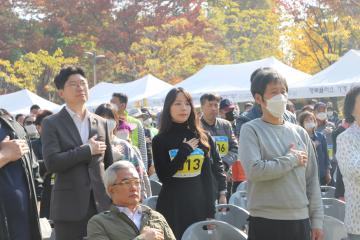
[[115, 225]]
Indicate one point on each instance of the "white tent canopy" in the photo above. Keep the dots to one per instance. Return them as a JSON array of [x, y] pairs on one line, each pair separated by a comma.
[[233, 80], [334, 81], [21, 101], [137, 90]]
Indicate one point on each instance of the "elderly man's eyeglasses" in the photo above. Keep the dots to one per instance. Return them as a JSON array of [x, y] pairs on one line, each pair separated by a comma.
[[128, 182]]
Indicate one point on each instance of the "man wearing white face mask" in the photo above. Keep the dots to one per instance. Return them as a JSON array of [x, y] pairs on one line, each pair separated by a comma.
[[284, 197], [30, 127]]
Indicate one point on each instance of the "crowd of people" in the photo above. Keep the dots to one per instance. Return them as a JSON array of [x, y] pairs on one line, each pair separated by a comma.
[[89, 172]]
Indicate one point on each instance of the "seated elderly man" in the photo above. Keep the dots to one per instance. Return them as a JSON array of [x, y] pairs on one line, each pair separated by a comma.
[[127, 219]]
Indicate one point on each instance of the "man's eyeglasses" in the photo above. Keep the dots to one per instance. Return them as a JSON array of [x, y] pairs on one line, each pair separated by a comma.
[[128, 182], [75, 84]]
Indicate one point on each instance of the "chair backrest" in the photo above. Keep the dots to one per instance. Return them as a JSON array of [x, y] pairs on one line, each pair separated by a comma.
[[334, 229], [155, 187], [151, 202], [233, 215], [334, 207], [327, 192], [239, 199], [242, 187], [218, 231]]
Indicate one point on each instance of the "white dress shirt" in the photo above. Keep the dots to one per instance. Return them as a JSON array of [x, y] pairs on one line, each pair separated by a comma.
[[134, 216], [81, 125]]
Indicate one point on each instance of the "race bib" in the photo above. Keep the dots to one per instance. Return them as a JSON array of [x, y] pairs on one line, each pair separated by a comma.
[[193, 164], [222, 142], [330, 151]]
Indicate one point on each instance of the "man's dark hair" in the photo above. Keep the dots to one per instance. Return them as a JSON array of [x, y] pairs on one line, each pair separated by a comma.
[[349, 103], [209, 97], [122, 97], [262, 77], [35, 106], [19, 116], [64, 75], [41, 115]]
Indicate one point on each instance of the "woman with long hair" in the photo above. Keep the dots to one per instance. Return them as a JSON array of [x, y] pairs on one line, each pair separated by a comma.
[[308, 121], [185, 160]]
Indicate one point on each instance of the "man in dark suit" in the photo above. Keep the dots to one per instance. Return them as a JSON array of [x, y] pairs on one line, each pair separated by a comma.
[[18, 213], [76, 148]]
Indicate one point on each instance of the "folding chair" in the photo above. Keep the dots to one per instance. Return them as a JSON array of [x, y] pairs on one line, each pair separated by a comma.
[[234, 215], [239, 199], [334, 229], [335, 208], [242, 187], [217, 231], [327, 191], [151, 202], [155, 187]]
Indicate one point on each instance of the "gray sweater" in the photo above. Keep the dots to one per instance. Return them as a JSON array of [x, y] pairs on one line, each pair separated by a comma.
[[277, 187]]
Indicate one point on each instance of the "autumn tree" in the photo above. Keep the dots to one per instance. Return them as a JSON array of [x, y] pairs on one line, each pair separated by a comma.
[[34, 71], [322, 31]]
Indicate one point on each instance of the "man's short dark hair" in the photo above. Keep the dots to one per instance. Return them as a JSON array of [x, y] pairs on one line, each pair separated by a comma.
[[35, 106], [209, 97], [41, 115], [349, 103], [262, 77], [64, 75], [19, 116], [122, 97]]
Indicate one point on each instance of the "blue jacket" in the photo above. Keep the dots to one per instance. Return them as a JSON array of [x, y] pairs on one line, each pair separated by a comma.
[[323, 161]]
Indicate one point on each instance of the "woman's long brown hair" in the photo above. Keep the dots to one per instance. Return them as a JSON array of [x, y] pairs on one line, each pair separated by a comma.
[[192, 122]]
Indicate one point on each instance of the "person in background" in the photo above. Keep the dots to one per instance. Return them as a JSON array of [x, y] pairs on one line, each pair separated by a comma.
[[122, 149], [127, 218], [290, 107], [332, 115], [20, 118], [348, 156], [248, 106], [47, 177], [137, 136], [221, 132], [283, 188], [18, 211], [34, 109], [186, 162], [308, 121], [30, 128], [325, 127], [227, 110], [309, 108], [150, 133], [339, 184]]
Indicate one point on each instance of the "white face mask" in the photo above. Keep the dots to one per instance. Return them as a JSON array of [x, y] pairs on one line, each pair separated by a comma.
[[116, 108], [309, 125], [321, 116], [330, 113], [277, 105], [31, 130], [111, 124]]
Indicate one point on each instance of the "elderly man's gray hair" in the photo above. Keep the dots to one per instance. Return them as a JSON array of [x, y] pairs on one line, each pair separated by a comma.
[[110, 173]]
